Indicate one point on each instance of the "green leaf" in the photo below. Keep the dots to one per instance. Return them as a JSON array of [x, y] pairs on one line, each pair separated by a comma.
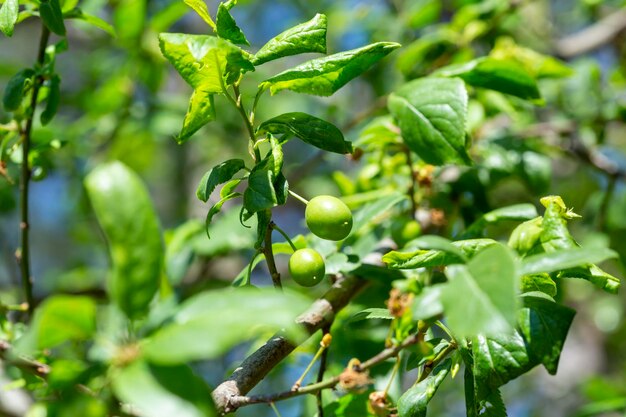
[[414, 402], [488, 288], [78, 14], [427, 304], [52, 101], [516, 212], [125, 212], [370, 212], [260, 194], [493, 405], [8, 16], [324, 76], [426, 258], [179, 251], [503, 357], [216, 209], [564, 259], [129, 19], [200, 7], [309, 129], [538, 65], [163, 391], [505, 76], [595, 275], [433, 242], [227, 28], [62, 318], [526, 236], [14, 91], [371, 313], [52, 16], [219, 174], [499, 359], [200, 112], [538, 282], [431, 114], [243, 313], [306, 37], [204, 62], [544, 325]]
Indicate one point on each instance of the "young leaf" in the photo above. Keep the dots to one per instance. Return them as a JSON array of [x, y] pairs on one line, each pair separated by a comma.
[[219, 174], [433, 242], [163, 391], [565, 259], [78, 14], [204, 62], [309, 129], [516, 212], [424, 258], [52, 16], [128, 219], [371, 313], [195, 334], [544, 325], [488, 287], [14, 91], [200, 112], [431, 114], [260, 194], [306, 37], [538, 282], [227, 28], [216, 209], [414, 402], [427, 304], [8, 16], [200, 7], [324, 76], [505, 76], [52, 102]]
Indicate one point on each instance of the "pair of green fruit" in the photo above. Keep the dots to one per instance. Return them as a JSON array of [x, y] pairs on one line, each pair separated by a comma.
[[326, 217]]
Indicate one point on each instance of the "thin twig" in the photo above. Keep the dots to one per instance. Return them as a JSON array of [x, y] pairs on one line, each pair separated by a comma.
[[320, 374], [412, 188], [594, 36], [240, 401], [26, 364], [256, 366], [23, 254]]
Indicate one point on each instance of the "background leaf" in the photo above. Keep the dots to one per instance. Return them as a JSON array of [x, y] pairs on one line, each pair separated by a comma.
[[8, 16], [129, 222]]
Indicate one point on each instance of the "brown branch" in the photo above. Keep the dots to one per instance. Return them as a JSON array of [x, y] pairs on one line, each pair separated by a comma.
[[26, 364], [594, 36], [23, 254], [240, 401], [268, 251], [256, 366]]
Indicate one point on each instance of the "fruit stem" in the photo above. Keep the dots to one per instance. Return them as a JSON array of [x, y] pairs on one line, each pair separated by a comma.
[[393, 375], [299, 197], [323, 345], [282, 232]]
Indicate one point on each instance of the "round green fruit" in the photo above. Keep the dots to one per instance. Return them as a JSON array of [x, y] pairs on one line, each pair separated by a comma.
[[405, 230], [328, 217], [306, 267]]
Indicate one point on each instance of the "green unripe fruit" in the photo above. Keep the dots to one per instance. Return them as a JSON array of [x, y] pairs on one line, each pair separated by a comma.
[[306, 267], [328, 217], [405, 230]]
